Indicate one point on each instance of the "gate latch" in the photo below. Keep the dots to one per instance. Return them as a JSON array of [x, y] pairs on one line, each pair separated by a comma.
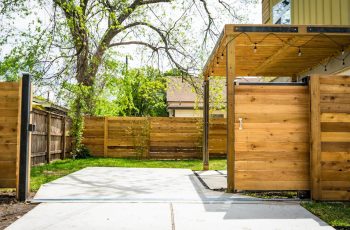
[[240, 123], [31, 127]]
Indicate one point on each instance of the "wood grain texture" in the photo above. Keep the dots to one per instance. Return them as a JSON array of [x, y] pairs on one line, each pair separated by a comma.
[[156, 138], [10, 99], [272, 143], [59, 142], [334, 142], [230, 109]]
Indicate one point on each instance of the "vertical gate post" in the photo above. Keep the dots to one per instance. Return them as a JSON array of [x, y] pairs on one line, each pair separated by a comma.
[[206, 125], [230, 77], [315, 136], [23, 180]]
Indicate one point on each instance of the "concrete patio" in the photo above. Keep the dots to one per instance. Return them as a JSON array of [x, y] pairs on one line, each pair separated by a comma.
[[126, 198]]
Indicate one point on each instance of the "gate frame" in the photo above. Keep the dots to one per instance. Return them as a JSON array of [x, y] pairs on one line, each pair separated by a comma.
[[25, 138]]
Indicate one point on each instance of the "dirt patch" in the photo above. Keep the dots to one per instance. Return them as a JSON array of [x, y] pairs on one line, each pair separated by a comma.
[[11, 210]]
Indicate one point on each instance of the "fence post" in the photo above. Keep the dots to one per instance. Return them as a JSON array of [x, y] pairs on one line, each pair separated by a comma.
[[105, 141], [24, 155], [48, 137], [315, 137], [206, 124], [230, 77], [63, 154], [148, 137]]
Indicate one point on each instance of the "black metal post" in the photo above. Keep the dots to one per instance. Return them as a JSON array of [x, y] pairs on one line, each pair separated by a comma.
[[206, 126], [23, 184]]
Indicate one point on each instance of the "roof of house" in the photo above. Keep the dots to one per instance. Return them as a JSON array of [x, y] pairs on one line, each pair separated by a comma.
[[181, 94], [46, 105]]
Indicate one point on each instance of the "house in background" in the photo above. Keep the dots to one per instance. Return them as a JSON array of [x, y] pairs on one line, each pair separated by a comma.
[[311, 12], [183, 101], [45, 105]]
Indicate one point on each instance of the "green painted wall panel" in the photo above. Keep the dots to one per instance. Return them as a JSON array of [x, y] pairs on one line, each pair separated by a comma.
[[313, 15], [336, 12], [327, 12]]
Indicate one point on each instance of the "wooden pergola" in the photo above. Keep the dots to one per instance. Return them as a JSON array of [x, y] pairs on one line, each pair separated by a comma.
[[266, 51]]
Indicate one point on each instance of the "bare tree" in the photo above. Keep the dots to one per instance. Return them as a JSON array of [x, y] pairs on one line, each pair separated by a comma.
[[81, 33]]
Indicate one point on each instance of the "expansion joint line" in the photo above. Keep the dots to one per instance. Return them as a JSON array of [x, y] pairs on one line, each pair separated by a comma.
[[172, 216]]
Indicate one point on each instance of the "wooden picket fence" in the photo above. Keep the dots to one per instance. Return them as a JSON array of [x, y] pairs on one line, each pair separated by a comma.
[[156, 138], [56, 138]]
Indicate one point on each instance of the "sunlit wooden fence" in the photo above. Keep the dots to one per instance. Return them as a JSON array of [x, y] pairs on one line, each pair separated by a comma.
[[10, 101], [156, 138]]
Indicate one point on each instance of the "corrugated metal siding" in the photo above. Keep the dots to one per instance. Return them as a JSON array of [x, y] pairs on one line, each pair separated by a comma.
[[316, 12], [321, 12]]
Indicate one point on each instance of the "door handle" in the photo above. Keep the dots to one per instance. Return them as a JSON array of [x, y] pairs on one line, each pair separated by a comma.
[[240, 123]]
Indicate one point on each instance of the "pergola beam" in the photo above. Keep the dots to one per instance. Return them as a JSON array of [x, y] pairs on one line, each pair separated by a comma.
[[316, 42], [274, 56]]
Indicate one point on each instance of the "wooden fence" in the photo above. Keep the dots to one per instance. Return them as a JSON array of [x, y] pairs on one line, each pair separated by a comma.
[[56, 137], [10, 102], [156, 138], [271, 137], [330, 137]]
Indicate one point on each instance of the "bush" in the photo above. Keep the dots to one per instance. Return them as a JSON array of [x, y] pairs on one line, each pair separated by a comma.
[[82, 153]]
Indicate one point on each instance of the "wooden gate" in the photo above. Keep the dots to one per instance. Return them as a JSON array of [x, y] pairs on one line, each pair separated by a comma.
[[15, 106], [272, 137]]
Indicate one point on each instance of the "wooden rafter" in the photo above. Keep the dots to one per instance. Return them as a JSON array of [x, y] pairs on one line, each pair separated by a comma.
[[275, 56]]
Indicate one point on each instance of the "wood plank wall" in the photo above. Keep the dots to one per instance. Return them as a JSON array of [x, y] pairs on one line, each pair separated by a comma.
[[272, 148], [330, 137], [217, 137], [10, 101], [94, 135], [44, 138], [127, 137], [175, 138], [156, 138]]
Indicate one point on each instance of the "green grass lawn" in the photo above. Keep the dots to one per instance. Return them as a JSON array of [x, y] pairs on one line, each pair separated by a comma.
[[336, 214], [49, 172]]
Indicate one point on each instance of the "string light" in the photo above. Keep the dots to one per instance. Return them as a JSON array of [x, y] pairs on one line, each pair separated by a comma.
[[255, 49], [299, 53]]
